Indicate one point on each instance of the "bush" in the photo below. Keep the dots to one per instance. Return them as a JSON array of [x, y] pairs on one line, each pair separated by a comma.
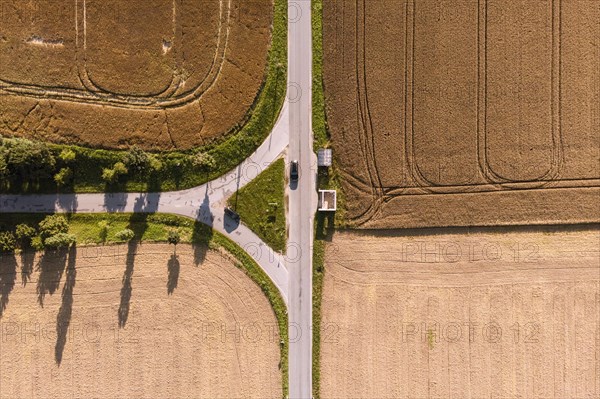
[[112, 175], [67, 155], [125, 235], [155, 164], [103, 225], [7, 241], [120, 168], [25, 233], [174, 237], [53, 225], [137, 160], [60, 240], [37, 243], [63, 177], [204, 161], [29, 160]]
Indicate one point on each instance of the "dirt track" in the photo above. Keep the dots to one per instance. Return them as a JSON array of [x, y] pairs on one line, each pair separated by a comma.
[[468, 314], [485, 107], [161, 74], [144, 325]]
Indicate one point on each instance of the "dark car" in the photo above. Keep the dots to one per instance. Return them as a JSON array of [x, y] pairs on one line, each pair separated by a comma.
[[232, 214], [294, 170]]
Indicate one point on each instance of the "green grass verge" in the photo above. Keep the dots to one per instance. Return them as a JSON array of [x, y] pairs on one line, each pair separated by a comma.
[[318, 274], [155, 228], [319, 121], [261, 205], [178, 173]]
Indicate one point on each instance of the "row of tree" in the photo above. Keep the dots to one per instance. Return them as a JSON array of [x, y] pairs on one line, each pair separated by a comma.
[[51, 233], [23, 160]]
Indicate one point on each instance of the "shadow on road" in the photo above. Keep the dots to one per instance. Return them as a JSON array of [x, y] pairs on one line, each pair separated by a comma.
[[63, 319], [68, 202], [202, 234]]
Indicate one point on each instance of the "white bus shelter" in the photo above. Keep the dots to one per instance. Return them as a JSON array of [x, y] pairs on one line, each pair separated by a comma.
[[327, 200]]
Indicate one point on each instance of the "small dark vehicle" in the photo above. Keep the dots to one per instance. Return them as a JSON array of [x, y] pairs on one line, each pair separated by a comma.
[[232, 214], [294, 170]]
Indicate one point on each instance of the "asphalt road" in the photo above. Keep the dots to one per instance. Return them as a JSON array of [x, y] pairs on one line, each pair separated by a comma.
[[303, 199]]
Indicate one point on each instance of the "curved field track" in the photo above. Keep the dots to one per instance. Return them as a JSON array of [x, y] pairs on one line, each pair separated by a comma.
[[135, 322], [163, 74], [488, 108], [487, 313]]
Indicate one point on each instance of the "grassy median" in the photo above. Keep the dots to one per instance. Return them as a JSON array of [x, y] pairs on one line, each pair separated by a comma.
[[261, 205]]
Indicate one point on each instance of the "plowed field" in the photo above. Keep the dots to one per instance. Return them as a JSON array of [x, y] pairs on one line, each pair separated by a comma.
[[162, 74], [135, 322], [474, 314], [465, 112]]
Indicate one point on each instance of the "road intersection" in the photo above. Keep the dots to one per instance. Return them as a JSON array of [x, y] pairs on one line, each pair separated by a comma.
[[291, 273]]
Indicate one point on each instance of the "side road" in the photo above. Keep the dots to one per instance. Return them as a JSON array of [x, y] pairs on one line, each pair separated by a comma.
[[205, 203]]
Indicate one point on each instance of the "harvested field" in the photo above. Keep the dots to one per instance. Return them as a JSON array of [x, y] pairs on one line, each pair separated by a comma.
[[162, 74], [487, 313], [488, 108], [121, 321]]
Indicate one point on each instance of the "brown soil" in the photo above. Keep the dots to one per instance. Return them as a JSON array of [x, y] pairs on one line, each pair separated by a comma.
[[487, 313], [105, 322], [156, 73], [486, 108]]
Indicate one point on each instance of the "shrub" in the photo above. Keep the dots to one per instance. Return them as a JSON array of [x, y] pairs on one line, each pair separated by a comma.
[[28, 159], [67, 155], [204, 161], [125, 235], [112, 175], [155, 164], [25, 233], [7, 241], [63, 177], [60, 240], [53, 225], [37, 243], [137, 160], [120, 168], [174, 237], [103, 225]]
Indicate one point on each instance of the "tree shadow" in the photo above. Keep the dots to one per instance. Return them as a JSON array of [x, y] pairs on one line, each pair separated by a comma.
[[68, 202], [126, 289], [325, 226], [173, 268], [115, 202], [201, 237], [27, 259], [202, 233], [144, 205], [8, 276], [51, 267], [63, 319]]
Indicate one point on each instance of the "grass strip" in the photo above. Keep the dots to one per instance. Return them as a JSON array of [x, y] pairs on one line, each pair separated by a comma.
[[261, 205]]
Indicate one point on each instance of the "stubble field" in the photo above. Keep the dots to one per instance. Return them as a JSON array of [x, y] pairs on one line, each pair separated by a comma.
[[161, 74], [135, 321], [486, 313], [485, 107]]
